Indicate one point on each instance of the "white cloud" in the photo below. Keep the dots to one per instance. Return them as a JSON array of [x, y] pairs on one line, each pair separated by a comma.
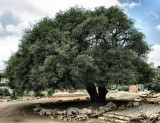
[[130, 5], [18, 29], [21, 9], [158, 27], [154, 55], [1, 27], [50, 6], [29, 11], [8, 45]]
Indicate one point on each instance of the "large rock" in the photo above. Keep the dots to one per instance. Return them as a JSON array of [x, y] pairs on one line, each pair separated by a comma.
[[129, 104], [136, 103], [72, 111], [37, 109], [111, 106], [46, 111], [85, 111], [122, 107], [133, 89], [156, 95], [95, 114]]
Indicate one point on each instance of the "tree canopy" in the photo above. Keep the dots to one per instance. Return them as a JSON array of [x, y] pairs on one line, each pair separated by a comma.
[[78, 49]]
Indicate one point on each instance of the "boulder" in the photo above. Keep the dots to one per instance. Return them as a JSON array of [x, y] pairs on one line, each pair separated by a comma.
[[72, 111], [59, 117], [156, 95], [136, 103], [122, 107], [37, 109], [129, 104], [111, 106], [59, 112], [95, 114], [86, 111], [133, 89], [38, 105]]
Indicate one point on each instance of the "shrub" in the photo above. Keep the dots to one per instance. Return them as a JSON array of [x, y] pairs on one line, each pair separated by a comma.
[[4, 92], [50, 92], [123, 88], [14, 95], [1, 92], [38, 94]]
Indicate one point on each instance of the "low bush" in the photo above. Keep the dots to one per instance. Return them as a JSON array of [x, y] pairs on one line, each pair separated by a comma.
[[4, 92], [50, 93], [14, 95], [38, 94], [123, 88]]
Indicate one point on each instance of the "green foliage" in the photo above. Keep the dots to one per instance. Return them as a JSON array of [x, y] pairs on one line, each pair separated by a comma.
[[1, 92], [155, 85], [38, 94], [14, 95], [4, 92], [50, 93], [123, 88], [77, 48], [141, 87]]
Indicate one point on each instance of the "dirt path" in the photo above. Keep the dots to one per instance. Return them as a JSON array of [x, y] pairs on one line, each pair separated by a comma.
[[22, 111]]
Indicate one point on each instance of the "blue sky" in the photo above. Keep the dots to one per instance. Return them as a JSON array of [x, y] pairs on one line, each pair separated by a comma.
[[147, 18], [17, 15]]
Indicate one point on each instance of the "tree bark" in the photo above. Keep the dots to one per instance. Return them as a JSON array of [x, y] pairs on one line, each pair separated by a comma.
[[95, 96], [102, 94], [92, 92]]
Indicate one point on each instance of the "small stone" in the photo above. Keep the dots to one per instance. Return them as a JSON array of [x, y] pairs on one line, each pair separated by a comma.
[[64, 112], [59, 117], [52, 117], [95, 114], [59, 112], [136, 103], [111, 106], [101, 108], [69, 119], [158, 103], [129, 104], [90, 107], [85, 111], [49, 113], [38, 105], [120, 121], [106, 109], [102, 118], [156, 95], [72, 111], [122, 107], [65, 119], [37, 109]]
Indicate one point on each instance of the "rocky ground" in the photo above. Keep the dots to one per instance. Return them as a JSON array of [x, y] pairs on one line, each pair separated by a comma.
[[133, 108]]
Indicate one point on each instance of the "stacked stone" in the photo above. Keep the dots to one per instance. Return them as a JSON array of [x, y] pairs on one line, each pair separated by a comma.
[[115, 118], [75, 114]]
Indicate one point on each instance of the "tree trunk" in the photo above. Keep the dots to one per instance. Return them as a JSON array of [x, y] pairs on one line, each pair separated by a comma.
[[92, 92], [102, 94], [95, 96]]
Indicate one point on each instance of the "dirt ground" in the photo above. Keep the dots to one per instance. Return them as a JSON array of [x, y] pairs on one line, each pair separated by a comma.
[[22, 111]]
